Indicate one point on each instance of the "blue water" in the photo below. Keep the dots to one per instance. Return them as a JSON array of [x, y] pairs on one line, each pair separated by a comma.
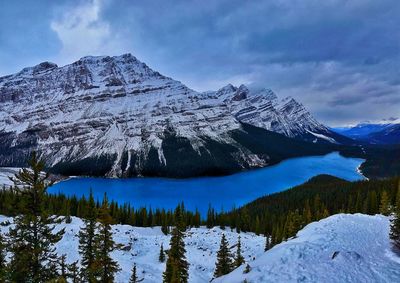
[[221, 192]]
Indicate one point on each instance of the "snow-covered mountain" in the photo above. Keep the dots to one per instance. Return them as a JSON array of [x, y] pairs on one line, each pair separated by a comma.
[[115, 116], [379, 132], [341, 248]]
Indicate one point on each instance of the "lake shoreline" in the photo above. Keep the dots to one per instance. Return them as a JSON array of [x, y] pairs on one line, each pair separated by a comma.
[[220, 192]]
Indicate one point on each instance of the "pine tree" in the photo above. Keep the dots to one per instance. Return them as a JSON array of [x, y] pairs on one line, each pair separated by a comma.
[[267, 243], [63, 267], [395, 222], [384, 205], [107, 266], [161, 257], [88, 247], [32, 240], [176, 269], [239, 259], [3, 263], [224, 260], [134, 278], [73, 272]]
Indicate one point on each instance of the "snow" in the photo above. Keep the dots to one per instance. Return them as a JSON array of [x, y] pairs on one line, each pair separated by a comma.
[[142, 246], [113, 105], [5, 174], [331, 140], [341, 248]]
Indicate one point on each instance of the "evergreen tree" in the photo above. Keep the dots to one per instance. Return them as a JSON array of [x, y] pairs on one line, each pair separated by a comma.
[[3, 263], [384, 205], [176, 269], [134, 278], [73, 272], [107, 266], [63, 267], [210, 222], [239, 259], [267, 243], [32, 240], [224, 260], [161, 257], [395, 222], [88, 247]]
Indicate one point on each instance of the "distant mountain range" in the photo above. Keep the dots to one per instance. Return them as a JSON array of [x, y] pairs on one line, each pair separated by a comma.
[[115, 116], [382, 132]]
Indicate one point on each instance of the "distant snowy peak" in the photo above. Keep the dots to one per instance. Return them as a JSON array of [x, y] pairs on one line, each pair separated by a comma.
[[119, 109], [386, 131]]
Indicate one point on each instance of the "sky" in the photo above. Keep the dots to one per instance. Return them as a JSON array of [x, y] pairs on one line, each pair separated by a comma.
[[340, 58]]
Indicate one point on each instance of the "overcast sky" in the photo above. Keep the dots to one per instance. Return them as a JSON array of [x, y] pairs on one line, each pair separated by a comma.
[[341, 58]]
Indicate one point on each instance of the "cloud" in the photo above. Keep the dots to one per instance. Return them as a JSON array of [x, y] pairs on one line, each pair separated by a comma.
[[339, 57], [82, 32]]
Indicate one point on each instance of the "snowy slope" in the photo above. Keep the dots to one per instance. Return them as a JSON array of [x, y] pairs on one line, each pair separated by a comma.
[[341, 248], [142, 246], [118, 112], [5, 174]]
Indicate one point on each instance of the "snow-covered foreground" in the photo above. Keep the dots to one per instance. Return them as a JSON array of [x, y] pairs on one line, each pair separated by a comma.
[[142, 246], [341, 248]]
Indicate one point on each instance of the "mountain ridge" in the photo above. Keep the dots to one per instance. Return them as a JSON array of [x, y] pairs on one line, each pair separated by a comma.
[[117, 112]]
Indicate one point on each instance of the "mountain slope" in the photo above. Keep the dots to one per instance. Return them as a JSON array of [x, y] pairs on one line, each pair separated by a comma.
[[382, 132], [340, 248], [119, 116], [388, 135]]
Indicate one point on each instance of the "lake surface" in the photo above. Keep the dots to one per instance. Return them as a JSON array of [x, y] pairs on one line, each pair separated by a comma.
[[220, 192]]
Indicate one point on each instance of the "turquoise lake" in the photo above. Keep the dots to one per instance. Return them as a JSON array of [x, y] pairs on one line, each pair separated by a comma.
[[219, 192]]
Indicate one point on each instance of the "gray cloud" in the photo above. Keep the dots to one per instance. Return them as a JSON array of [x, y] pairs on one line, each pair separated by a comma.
[[329, 54]]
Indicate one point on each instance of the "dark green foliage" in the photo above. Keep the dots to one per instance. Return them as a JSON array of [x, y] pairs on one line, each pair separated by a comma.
[[88, 246], [63, 267], [161, 257], [3, 263], [224, 263], [32, 240], [73, 272], [395, 222], [267, 243], [91, 166], [176, 269], [382, 161], [134, 278], [384, 205], [281, 215], [239, 259], [107, 266]]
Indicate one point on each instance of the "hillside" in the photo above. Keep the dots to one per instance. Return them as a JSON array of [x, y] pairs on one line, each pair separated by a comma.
[[142, 245], [341, 248]]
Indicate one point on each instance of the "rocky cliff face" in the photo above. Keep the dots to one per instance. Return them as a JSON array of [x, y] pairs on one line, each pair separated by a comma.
[[115, 116]]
